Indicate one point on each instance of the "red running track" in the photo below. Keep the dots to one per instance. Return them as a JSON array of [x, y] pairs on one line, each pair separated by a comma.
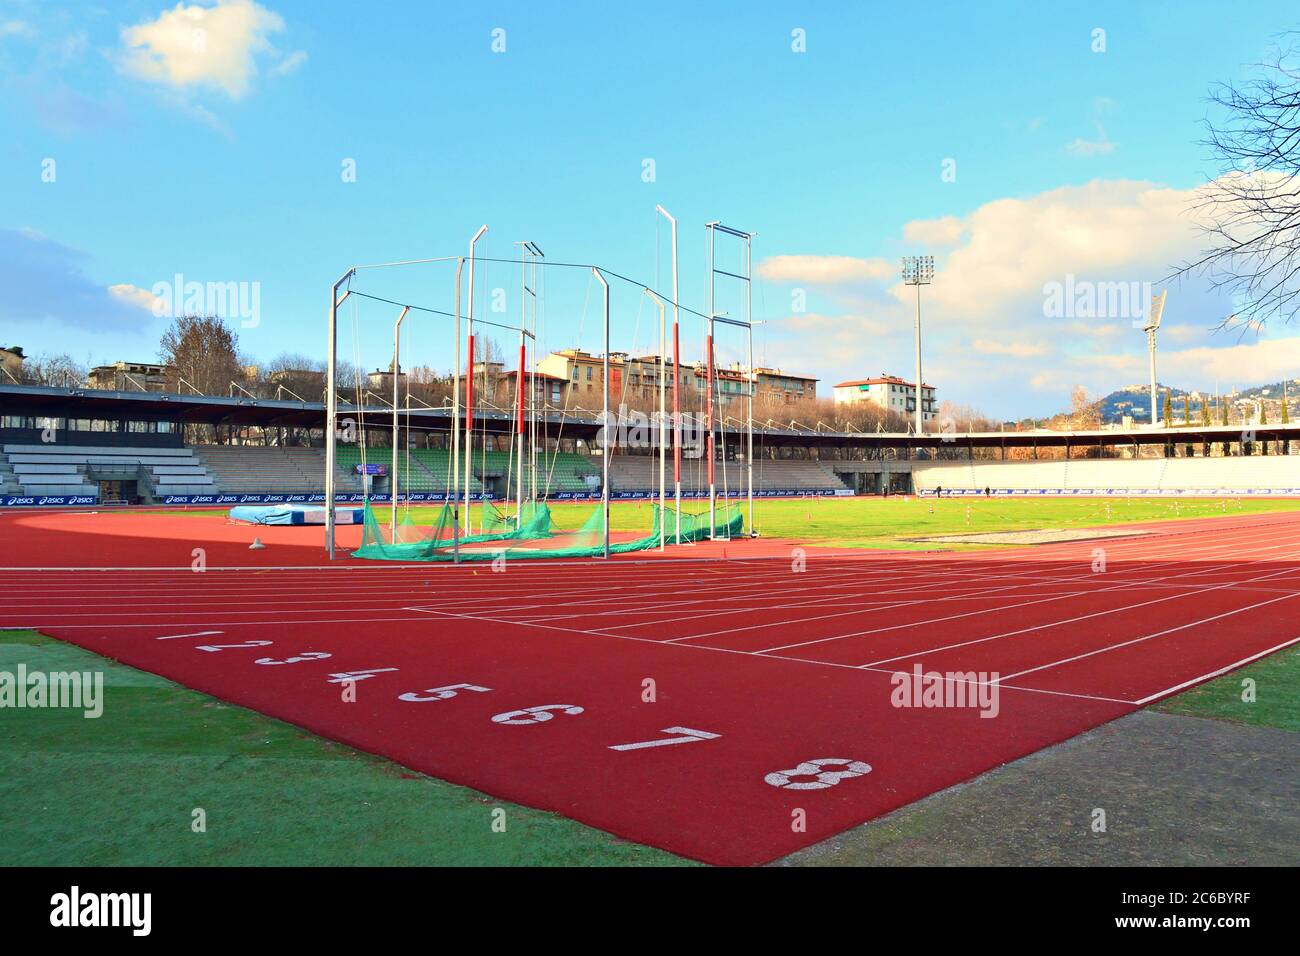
[[772, 723]]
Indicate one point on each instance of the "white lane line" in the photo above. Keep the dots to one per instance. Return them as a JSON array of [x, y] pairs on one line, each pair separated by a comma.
[[1179, 554], [1072, 620], [728, 650], [172, 637], [1215, 673], [1148, 637]]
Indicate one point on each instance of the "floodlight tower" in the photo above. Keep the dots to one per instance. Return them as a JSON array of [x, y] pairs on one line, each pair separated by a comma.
[[918, 271], [1152, 326]]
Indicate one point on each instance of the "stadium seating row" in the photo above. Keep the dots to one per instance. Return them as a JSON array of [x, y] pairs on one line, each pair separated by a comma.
[[55, 469], [1245, 473], [641, 473]]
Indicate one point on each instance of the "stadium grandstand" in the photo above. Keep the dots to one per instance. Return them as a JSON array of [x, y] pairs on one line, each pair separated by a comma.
[[76, 446]]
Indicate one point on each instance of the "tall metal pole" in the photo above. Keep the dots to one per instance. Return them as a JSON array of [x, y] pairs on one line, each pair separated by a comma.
[[604, 442], [753, 382], [677, 374], [708, 405], [918, 271], [663, 418], [331, 408], [1153, 325], [454, 491], [469, 435], [920, 418], [397, 366], [1151, 357], [519, 432], [536, 255]]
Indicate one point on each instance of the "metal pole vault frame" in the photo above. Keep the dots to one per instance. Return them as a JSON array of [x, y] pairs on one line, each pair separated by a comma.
[[748, 325]]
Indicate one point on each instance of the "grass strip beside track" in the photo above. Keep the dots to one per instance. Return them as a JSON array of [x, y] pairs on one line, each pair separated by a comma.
[[120, 790]]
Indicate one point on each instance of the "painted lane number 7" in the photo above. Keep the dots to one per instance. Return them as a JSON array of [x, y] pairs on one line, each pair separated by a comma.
[[686, 736]]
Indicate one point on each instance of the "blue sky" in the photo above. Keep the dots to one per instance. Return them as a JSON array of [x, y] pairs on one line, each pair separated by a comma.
[[225, 166]]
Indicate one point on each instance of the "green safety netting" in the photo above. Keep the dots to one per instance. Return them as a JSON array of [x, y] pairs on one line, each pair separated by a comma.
[[535, 536]]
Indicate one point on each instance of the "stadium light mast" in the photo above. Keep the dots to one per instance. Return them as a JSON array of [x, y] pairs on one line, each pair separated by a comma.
[[1153, 326], [918, 271], [469, 379]]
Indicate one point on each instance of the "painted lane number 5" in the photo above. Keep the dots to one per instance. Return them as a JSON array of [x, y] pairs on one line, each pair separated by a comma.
[[441, 693]]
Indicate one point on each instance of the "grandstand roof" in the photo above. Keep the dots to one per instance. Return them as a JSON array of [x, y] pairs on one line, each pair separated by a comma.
[[35, 400]]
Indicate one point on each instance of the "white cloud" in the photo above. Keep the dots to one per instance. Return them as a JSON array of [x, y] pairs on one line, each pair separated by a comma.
[[1014, 349], [944, 231], [1091, 147], [824, 270], [210, 47], [17, 28], [133, 295], [1105, 231], [290, 63]]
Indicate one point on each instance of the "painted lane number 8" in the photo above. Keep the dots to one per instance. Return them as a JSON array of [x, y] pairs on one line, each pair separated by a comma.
[[817, 774]]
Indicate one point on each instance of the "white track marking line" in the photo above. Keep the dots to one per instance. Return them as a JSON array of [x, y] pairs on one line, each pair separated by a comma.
[[1102, 590], [1148, 637], [172, 637], [1215, 673], [727, 650], [1070, 620], [1180, 560]]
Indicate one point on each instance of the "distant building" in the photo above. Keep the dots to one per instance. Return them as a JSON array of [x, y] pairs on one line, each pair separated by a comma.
[[381, 382], [130, 377], [888, 392], [786, 388], [639, 377], [547, 389], [11, 364]]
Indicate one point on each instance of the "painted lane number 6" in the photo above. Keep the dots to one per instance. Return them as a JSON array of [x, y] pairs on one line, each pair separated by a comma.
[[535, 715]]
